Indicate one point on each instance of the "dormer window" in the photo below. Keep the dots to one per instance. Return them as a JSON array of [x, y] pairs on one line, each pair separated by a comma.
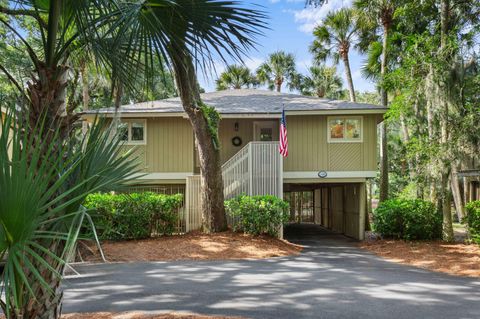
[[345, 129]]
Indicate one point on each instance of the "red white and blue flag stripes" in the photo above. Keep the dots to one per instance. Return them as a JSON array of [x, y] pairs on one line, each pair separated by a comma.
[[283, 147]]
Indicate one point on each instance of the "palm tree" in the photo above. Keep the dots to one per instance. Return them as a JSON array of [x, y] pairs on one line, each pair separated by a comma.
[[124, 37], [381, 13], [200, 27], [334, 38], [235, 77], [42, 187], [279, 67], [323, 82]]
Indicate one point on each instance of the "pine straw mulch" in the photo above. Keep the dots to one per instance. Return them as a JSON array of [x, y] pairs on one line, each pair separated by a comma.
[[192, 246], [455, 258], [138, 315]]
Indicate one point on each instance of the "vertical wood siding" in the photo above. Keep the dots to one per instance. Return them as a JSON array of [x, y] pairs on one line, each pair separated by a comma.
[[309, 150], [245, 132], [169, 146]]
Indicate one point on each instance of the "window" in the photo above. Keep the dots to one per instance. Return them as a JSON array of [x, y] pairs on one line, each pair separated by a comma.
[[266, 134], [345, 129], [132, 131], [264, 131]]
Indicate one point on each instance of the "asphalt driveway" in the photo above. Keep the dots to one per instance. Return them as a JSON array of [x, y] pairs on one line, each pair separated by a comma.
[[330, 279]]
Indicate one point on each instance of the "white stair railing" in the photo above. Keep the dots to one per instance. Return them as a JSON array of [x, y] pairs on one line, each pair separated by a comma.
[[256, 169], [236, 179]]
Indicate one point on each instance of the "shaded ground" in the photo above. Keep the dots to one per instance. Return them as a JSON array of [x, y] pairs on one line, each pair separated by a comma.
[[138, 315], [194, 246], [456, 259], [331, 278]]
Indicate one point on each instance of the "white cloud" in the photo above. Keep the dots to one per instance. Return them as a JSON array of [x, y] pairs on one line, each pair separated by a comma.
[[304, 65], [253, 63], [309, 18]]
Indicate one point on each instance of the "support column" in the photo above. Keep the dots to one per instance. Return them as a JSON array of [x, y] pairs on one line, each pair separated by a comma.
[[317, 208], [362, 211]]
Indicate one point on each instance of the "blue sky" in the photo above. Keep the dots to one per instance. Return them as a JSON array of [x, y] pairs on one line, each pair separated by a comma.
[[291, 26]]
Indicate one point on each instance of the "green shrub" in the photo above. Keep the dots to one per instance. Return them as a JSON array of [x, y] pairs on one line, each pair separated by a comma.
[[408, 219], [258, 215], [134, 216], [473, 220]]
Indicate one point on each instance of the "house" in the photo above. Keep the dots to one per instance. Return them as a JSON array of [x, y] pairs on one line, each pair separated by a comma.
[[471, 179], [332, 151]]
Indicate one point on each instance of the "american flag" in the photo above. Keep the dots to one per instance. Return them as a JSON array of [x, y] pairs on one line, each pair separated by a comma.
[[283, 147]]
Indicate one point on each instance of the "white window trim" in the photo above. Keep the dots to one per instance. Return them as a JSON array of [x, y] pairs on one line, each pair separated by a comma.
[[129, 122], [344, 140]]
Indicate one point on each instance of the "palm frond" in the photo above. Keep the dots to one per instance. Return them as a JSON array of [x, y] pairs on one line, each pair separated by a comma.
[[41, 189]]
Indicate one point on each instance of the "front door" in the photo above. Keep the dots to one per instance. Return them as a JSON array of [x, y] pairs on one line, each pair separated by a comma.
[[265, 131]]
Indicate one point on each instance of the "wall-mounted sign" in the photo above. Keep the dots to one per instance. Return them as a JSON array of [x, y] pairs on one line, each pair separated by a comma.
[[322, 174]]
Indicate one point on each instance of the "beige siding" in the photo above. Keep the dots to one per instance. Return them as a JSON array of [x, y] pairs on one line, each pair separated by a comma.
[[310, 151], [137, 154], [245, 132], [307, 140], [169, 147], [345, 156]]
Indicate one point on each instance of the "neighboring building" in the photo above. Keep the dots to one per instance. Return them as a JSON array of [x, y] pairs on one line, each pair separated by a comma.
[[332, 151], [471, 178]]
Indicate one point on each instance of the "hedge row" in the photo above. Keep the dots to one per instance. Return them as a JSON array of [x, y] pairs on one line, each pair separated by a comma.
[[473, 220], [258, 215], [134, 216], [408, 219]]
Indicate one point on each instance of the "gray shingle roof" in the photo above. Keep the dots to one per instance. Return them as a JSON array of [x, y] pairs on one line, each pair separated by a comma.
[[247, 101]]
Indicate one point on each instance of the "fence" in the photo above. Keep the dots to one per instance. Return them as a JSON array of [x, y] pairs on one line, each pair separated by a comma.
[[193, 203]]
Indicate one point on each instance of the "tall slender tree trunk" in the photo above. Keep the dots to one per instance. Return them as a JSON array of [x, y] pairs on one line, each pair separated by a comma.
[[445, 105], [429, 93], [418, 167], [383, 126], [208, 150], [348, 75], [406, 140], [457, 193], [85, 92]]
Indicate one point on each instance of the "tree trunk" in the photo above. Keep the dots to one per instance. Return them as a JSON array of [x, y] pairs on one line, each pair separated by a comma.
[[383, 162], [85, 87], [348, 75], [418, 168], [278, 85], [432, 138], [383, 126], [207, 142], [457, 194], [444, 118], [47, 94], [406, 140], [85, 92], [446, 210]]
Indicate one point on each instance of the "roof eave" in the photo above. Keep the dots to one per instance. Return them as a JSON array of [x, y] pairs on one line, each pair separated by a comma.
[[154, 113]]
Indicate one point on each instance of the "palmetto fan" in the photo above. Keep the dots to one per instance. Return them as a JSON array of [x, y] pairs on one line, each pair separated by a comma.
[[42, 187]]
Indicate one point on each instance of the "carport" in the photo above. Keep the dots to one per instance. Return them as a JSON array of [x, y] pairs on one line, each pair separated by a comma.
[[339, 207]]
